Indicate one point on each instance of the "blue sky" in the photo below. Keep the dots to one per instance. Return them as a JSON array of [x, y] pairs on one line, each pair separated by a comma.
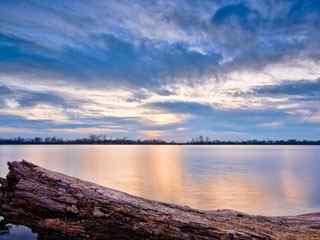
[[160, 69]]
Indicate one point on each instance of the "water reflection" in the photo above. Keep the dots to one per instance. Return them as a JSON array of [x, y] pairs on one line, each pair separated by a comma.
[[269, 180], [13, 232]]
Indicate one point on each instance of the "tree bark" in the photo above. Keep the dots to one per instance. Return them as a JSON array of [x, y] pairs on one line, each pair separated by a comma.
[[61, 207]]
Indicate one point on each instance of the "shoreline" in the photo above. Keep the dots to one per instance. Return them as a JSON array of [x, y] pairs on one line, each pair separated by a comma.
[[161, 144]]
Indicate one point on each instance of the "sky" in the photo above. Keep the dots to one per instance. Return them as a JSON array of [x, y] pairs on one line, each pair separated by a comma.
[[230, 70]]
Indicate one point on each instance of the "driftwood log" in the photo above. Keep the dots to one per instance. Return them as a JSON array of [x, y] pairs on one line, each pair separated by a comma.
[[61, 207]]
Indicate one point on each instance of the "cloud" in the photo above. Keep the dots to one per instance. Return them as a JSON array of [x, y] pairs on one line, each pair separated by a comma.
[[235, 66], [237, 14], [183, 107], [265, 32], [4, 91], [27, 98], [115, 62], [304, 88], [216, 118], [314, 118]]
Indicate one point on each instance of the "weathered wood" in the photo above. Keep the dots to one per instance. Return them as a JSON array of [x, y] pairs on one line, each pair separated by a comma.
[[59, 207]]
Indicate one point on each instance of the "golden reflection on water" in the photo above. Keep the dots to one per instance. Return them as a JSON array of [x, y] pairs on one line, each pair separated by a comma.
[[266, 180]]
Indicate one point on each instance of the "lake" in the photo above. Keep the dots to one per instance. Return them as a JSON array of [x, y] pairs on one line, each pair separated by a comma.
[[268, 180]]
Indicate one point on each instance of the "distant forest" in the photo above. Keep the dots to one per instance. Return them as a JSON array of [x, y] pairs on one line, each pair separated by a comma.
[[101, 139]]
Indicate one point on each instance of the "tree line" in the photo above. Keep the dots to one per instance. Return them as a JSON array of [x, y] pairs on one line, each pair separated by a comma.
[[102, 139]]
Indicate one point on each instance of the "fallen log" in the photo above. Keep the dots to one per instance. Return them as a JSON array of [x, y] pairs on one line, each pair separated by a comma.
[[61, 207]]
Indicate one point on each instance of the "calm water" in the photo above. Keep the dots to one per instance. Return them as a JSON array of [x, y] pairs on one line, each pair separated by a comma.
[[268, 180]]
